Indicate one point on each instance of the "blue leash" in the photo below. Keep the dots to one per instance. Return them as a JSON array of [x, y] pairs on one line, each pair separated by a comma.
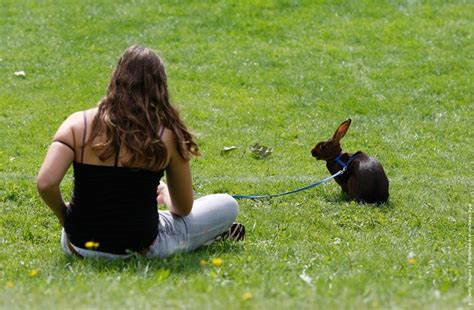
[[293, 191], [338, 160]]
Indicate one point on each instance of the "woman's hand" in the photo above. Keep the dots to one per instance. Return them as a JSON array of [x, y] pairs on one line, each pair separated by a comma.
[[163, 195]]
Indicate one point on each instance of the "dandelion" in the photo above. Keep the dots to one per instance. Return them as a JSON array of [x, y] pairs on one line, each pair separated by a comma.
[[10, 284], [203, 262], [412, 261], [91, 245], [247, 296], [33, 273], [216, 262]]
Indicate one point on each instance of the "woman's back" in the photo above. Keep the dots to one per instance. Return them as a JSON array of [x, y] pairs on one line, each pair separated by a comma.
[[112, 205]]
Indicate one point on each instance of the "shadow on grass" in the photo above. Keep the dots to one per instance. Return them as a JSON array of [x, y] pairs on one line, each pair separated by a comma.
[[178, 263], [344, 198]]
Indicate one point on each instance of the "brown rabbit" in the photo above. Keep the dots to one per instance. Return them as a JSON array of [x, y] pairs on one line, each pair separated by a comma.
[[364, 179]]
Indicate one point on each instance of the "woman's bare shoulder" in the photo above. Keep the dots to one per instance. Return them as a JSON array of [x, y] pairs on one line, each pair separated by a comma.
[[168, 135], [73, 125], [77, 120]]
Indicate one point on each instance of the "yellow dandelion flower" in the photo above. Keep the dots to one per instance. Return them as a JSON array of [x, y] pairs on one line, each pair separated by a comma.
[[247, 296], [203, 262], [91, 245], [10, 284], [33, 273], [216, 262]]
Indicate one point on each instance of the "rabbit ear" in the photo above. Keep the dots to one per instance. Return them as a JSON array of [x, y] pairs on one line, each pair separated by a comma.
[[341, 130]]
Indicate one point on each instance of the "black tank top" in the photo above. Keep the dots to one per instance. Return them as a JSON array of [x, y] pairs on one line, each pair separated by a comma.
[[113, 206]]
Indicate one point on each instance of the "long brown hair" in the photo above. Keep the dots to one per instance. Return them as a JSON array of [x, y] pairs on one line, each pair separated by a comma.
[[137, 104]]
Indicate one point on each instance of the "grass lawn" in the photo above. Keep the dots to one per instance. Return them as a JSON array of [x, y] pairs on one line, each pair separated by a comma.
[[283, 74]]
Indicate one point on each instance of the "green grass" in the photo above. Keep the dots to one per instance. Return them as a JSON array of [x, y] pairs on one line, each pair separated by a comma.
[[281, 73]]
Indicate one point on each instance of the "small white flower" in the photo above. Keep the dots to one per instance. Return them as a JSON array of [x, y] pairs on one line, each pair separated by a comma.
[[20, 73]]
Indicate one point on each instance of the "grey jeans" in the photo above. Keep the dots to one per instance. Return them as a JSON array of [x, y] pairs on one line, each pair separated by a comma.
[[210, 216]]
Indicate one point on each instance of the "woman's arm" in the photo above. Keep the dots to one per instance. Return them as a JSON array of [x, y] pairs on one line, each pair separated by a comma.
[[178, 194], [56, 163]]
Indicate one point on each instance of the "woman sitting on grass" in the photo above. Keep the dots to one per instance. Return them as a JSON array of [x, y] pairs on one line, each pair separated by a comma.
[[119, 152]]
